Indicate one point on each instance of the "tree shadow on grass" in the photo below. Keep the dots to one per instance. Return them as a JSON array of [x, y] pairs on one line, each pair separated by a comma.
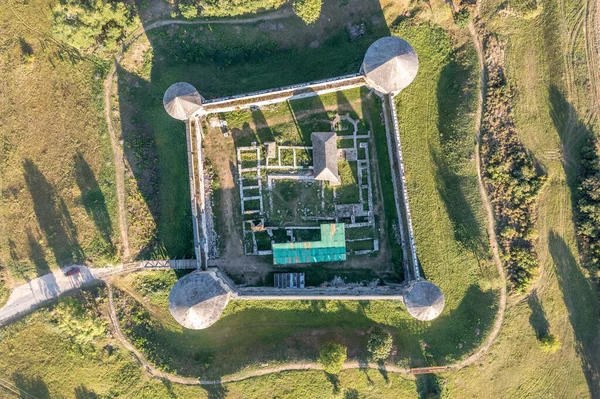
[[37, 255], [537, 319], [573, 133], [92, 198], [216, 391], [456, 93], [455, 333], [53, 216], [31, 386], [582, 304], [82, 392]]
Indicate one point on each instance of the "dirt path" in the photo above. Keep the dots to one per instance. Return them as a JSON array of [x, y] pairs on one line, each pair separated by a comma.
[[116, 146], [486, 202]]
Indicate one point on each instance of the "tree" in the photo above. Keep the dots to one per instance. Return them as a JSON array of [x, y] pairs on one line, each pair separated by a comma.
[[188, 11], [549, 343], [90, 25], [332, 356], [308, 10], [379, 344]]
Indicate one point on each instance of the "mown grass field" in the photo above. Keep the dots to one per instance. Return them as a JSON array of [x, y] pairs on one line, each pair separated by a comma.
[[57, 200], [546, 64]]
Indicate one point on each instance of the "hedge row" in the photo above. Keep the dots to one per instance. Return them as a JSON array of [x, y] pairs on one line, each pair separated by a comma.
[[588, 206], [510, 172]]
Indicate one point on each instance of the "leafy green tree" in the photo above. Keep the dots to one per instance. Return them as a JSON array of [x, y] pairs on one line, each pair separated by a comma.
[[308, 10], [332, 356], [188, 11], [92, 25], [379, 344], [549, 343]]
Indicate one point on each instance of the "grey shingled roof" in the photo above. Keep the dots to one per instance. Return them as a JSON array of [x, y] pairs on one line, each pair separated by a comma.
[[390, 64], [324, 151], [197, 300], [424, 301], [181, 100]]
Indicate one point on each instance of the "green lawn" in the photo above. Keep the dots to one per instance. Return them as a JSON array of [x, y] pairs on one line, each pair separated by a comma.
[[285, 331], [55, 365]]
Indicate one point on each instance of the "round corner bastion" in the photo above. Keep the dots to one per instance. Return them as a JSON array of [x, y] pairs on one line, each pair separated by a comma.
[[197, 300], [390, 65], [424, 300], [182, 100]]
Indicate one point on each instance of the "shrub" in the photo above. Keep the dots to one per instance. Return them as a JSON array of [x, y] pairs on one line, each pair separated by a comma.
[[188, 11], [78, 320], [228, 8], [510, 172], [94, 25], [462, 18], [308, 10], [379, 344], [332, 356], [549, 343]]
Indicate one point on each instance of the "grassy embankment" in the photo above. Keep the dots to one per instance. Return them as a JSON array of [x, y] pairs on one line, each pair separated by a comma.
[[547, 67], [58, 203], [74, 357]]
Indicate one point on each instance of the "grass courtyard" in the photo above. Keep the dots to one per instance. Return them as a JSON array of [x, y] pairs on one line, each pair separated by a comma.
[[294, 205]]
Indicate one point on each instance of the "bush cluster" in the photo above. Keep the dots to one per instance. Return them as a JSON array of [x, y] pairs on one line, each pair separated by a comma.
[[379, 344], [332, 356], [462, 18], [308, 10], [549, 343], [588, 206], [78, 320], [188, 11], [95, 26], [511, 175], [229, 8]]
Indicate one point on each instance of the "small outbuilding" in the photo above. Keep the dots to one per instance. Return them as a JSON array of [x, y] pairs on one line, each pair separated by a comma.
[[325, 161], [424, 300], [390, 65], [182, 100]]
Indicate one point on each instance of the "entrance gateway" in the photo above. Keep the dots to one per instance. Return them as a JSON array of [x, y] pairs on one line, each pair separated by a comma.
[[197, 300]]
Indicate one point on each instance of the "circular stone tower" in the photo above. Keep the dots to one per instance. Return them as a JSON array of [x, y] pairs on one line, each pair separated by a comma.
[[424, 300], [197, 300], [182, 100], [390, 64]]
